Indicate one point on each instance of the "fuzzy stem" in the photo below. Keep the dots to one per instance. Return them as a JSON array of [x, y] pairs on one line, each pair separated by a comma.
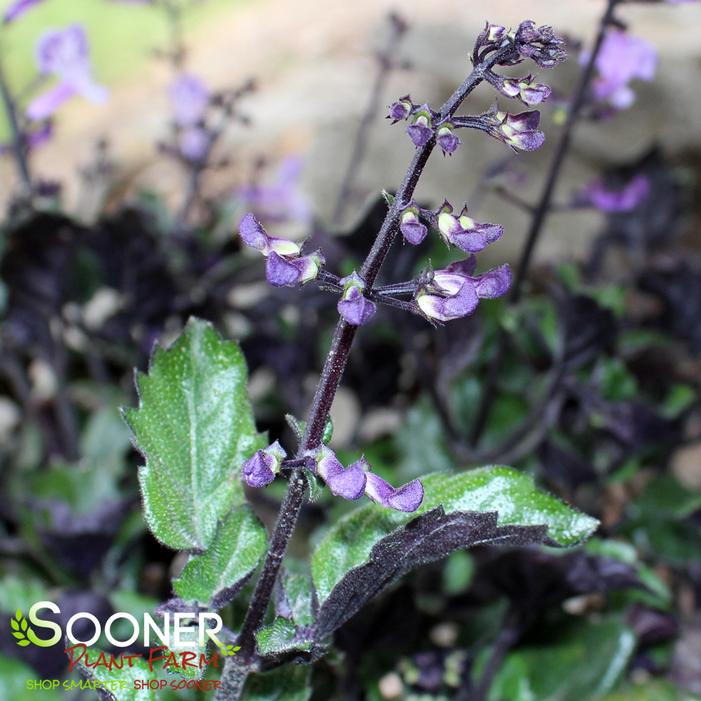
[[333, 369], [539, 215], [18, 145]]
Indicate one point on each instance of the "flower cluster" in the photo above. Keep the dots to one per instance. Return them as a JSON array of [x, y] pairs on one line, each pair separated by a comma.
[[286, 266], [350, 482], [64, 53], [454, 292], [539, 44], [424, 125]]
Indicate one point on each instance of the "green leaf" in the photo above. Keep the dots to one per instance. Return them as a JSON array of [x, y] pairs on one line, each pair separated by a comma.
[[281, 636], [195, 427], [121, 682], [214, 578], [582, 662], [285, 684], [509, 493], [298, 594]]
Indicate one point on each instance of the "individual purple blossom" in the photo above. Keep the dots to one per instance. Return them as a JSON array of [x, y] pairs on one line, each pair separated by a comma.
[[357, 479], [401, 109], [520, 131], [411, 227], [454, 292], [525, 89], [446, 139], [407, 498], [285, 267], [354, 306], [64, 53], [18, 8], [189, 97], [621, 59], [421, 130], [260, 469], [620, 200], [254, 235], [464, 232], [292, 272], [348, 483]]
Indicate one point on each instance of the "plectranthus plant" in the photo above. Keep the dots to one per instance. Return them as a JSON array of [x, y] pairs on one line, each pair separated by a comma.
[[205, 460]]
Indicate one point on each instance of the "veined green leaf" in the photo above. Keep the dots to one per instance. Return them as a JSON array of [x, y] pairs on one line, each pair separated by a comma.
[[372, 546], [214, 577], [195, 427]]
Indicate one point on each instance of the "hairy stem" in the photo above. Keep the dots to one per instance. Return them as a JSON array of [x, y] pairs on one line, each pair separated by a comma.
[[332, 373], [539, 215], [18, 142], [361, 137]]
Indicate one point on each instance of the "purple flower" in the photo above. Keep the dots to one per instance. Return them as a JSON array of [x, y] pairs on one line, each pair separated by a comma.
[[447, 140], [357, 479], [623, 200], [18, 8], [292, 272], [406, 498], [464, 232], [421, 130], [285, 267], [189, 97], [621, 59], [35, 138], [529, 92], [353, 306], [454, 292], [260, 469], [349, 482], [194, 143], [520, 131], [401, 109], [64, 53], [255, 236], [282, 200], [411, 227]]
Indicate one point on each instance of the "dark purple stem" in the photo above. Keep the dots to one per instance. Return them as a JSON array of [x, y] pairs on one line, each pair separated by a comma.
[[539, 216], [331, 377]]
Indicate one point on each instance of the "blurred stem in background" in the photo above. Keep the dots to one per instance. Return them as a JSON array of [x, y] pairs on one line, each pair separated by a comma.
[[539, 215], [386, 64], [17, 139]]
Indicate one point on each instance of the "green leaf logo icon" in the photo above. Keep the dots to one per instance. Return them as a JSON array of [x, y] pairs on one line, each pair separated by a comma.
[[21, 629], [228, 650]]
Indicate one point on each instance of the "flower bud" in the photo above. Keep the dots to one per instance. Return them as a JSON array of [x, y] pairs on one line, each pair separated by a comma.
[[447, 140], [400, 110], [411, 227], [421, 130], [520, 131], [353, 306], [284, 272], [260, 469], [407, 498]]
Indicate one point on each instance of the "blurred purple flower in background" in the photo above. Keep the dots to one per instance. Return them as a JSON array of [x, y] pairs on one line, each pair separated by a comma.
[[189, 97], [615, 200], [622, 58], [282, 199], [18, 8], [64, 53]]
